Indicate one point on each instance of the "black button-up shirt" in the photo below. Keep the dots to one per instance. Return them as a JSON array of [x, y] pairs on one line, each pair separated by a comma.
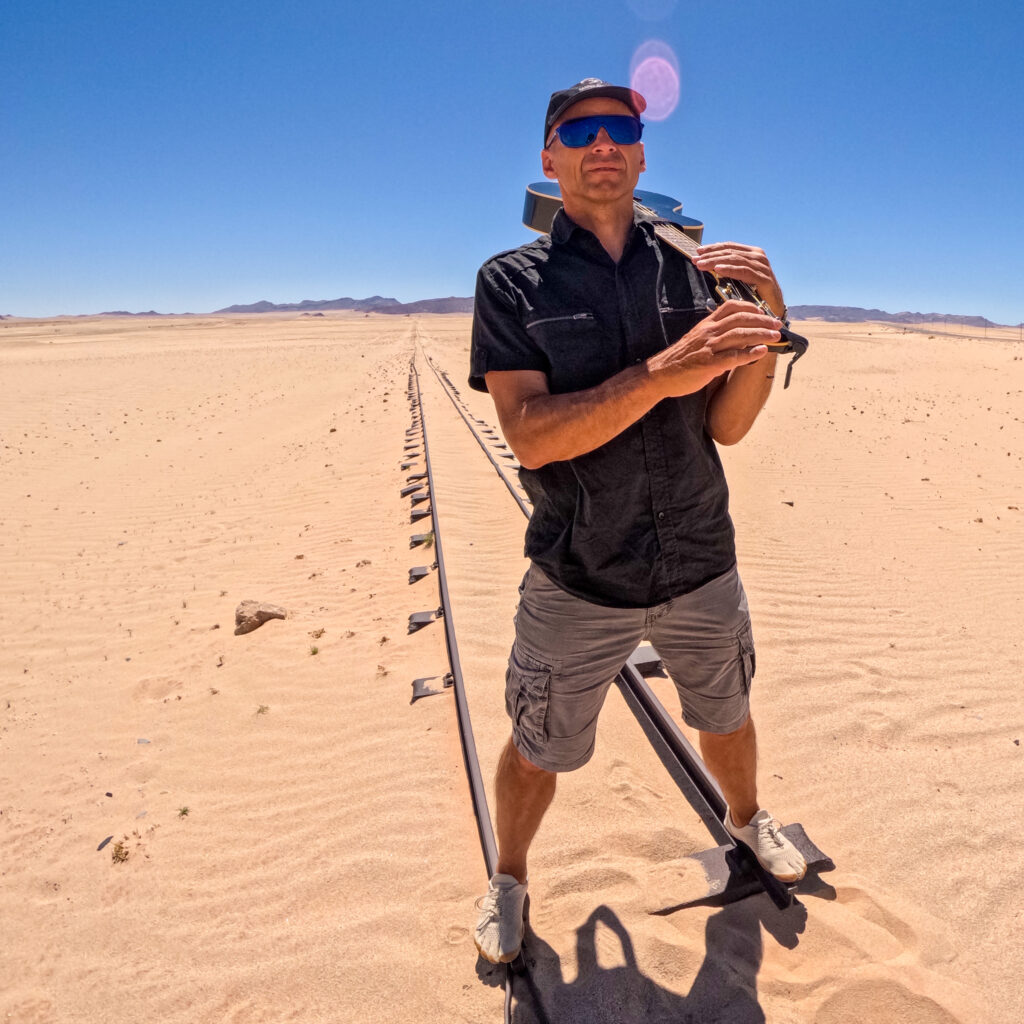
[[645, 517]]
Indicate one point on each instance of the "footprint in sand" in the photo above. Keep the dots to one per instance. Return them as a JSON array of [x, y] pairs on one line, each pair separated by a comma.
[[882, 1001], [627, 784]]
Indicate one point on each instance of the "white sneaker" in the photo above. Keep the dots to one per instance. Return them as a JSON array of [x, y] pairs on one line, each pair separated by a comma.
[[774, 852], [499, 930]]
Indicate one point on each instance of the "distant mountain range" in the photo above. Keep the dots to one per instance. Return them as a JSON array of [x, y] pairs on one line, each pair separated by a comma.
[[454, 304], [464, 304], [374, 304], [856, 315]]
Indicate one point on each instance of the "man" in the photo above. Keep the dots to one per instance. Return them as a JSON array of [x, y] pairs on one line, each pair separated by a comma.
[[612, 383]]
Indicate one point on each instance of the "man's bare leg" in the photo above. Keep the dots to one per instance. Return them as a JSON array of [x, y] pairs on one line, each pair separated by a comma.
[[523, 793], [732, 759]]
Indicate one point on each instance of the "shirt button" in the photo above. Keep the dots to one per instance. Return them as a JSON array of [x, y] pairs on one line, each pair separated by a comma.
[[661, 515]]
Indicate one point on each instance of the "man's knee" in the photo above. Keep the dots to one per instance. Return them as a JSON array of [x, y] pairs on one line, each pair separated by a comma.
[[520, 764], [744, 726]]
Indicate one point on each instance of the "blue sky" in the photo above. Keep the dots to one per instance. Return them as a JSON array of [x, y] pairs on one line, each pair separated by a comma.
[[182, 156]]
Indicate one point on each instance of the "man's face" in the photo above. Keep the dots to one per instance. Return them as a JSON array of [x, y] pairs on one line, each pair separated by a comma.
[[601, 172]]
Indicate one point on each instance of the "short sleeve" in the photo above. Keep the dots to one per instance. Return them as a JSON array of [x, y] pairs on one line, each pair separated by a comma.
[[499, 339]]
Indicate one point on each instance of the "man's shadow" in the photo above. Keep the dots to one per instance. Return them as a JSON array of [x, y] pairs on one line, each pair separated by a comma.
[[724, 990]]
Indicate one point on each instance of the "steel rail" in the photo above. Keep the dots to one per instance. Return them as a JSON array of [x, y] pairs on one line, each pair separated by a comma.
[[449, 390], [674, 750], [469, 752], [483, 816]]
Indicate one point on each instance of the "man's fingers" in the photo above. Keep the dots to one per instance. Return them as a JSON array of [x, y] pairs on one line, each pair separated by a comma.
[[738, 272], [745, 337], [715, 247], [741, 269], [746, 315], [742, 356], [731, 306]]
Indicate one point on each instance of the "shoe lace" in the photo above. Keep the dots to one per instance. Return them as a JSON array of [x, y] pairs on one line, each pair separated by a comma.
[[769, 830], [490, 904]]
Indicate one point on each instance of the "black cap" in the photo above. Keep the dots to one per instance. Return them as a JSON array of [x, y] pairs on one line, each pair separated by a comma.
[[589, 87]]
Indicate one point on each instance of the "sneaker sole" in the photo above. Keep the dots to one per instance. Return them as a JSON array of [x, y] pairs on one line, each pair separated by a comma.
[[500, 960], [782, 878]]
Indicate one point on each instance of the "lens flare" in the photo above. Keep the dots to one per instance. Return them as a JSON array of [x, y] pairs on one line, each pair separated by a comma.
[[654, 73]]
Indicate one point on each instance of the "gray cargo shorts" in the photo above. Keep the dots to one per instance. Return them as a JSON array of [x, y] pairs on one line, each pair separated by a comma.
[[567, 651]]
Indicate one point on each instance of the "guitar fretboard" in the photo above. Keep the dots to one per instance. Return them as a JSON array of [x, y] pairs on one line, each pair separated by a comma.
[[669, 233]]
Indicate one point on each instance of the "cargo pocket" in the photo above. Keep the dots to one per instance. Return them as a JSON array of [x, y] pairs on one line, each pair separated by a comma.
[[527, 688], [747, 655]]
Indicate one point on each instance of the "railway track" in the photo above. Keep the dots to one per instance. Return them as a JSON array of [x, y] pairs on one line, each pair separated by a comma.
[[731, 871]]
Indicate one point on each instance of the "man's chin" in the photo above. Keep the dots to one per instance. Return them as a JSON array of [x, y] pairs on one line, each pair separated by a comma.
[[607, 189]]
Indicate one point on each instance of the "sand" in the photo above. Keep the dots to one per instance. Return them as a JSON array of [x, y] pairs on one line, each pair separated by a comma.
[[198, 826]]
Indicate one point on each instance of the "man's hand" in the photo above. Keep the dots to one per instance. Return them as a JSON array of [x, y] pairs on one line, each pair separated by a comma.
[[744, 263], [735, 334]]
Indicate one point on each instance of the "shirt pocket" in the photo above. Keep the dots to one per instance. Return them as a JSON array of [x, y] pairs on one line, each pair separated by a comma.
[[576, 350], [678, 321], [544, 321]]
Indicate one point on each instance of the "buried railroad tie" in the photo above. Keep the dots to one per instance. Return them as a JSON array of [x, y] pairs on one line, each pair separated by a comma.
[[420, 619], [421, 538], [417, 498], [417, 572], [418, 513], [410, 489], [731, 873], [420, 688]]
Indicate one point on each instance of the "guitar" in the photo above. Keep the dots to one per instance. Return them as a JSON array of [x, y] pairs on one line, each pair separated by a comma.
[[543, 200]]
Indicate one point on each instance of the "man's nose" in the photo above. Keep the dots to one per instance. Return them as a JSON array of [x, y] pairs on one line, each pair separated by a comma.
[[603, 140]]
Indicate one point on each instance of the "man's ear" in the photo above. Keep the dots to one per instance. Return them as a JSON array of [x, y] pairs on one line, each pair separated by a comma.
[[548, 165]]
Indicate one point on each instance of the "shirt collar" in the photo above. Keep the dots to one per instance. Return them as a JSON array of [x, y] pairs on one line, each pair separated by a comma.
[[563, 227]]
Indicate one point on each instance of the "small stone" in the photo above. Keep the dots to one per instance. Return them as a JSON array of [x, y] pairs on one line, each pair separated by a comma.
[[250, 615]]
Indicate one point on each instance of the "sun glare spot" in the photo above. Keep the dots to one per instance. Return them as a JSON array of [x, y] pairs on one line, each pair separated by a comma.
[[654, 73]]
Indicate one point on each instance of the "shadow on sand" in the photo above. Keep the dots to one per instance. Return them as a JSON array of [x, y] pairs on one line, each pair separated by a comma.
[[723, 992]]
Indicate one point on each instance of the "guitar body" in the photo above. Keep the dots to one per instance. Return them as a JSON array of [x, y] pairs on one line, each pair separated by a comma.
[[544, 199]]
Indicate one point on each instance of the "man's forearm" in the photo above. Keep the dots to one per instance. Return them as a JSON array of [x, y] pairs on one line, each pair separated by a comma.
[[737, 403], [543, 428], [549, 428]]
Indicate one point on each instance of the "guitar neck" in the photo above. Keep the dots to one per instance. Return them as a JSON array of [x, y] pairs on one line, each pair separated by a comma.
[[726, 288], [670, 233]]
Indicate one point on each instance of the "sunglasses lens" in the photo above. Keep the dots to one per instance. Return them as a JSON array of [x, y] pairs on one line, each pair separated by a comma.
[[583, 131], [577, 133]]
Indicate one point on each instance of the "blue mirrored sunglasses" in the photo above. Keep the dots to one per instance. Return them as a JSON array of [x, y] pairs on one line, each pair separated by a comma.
[[583, 131]]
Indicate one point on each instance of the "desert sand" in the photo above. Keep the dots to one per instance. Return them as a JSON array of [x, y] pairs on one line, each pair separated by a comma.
[[197, 826]]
